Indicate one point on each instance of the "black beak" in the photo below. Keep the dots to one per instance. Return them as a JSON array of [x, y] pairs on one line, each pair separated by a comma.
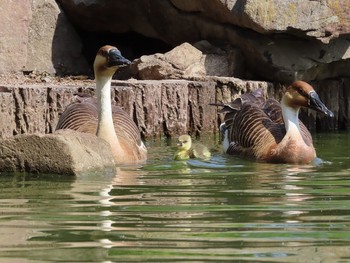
[[115, 58], [316, 104]]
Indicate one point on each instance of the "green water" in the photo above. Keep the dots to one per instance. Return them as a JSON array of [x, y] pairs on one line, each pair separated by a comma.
[[226, 209]]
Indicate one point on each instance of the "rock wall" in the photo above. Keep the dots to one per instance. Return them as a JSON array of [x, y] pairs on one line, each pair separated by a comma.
[[160, 108], [282, 40], [274, 40], [35, 35]]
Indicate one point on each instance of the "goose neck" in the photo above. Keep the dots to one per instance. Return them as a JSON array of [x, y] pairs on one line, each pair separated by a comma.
[[103, 90], [291, 119], [105, 118]]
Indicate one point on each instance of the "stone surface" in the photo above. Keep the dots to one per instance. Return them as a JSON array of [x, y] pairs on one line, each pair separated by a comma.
[[65, 152], [319, 19], [14, 24], [281, 40], [187, 62], [159, 108], [35, 35], [53, 46]]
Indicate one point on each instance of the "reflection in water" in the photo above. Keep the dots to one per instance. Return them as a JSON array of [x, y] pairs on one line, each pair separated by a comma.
[[224, 209]]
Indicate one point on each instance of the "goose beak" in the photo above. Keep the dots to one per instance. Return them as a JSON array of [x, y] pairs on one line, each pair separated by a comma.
[[115, 58], [179, 144], [316, 104]]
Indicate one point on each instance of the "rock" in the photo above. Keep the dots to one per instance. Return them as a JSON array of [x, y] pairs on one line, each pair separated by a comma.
[[159, 108], [14, 34], [280, 40], [221, 61], [182, 61], [7, 112], [35, 37], [317, 19], [65, 152], [188, 62], [49, 33], [183, 56]]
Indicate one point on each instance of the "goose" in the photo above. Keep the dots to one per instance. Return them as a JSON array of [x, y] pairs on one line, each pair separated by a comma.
[[269, 131], [186, 150], [99, 117]]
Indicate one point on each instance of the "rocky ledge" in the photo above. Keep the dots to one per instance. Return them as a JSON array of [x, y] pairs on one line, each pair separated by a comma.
[[159, 107]]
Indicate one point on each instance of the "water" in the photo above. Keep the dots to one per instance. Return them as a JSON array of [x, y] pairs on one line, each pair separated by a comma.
[[226, 209]]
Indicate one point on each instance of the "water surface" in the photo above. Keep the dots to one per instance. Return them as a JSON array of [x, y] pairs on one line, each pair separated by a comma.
[[225, 209]]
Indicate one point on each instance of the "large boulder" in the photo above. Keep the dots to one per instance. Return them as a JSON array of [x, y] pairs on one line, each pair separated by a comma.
[[188, 62], [281, 40], [34, 37], [65, 152]]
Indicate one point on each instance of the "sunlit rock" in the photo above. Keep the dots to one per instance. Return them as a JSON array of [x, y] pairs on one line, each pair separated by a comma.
[[65, 152]]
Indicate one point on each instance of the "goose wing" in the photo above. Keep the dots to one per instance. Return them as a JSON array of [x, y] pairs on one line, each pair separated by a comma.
[[125, 127], [251, 132], [82, 116], [255, 97]]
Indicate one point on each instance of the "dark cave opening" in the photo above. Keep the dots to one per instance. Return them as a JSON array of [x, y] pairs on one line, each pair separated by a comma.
[[131, 44]]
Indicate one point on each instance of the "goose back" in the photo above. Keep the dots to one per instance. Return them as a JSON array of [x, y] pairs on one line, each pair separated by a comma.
[[252, 133]]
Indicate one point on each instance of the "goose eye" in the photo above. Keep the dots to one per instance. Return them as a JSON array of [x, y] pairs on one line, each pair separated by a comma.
[[302, 92], [185, 141]]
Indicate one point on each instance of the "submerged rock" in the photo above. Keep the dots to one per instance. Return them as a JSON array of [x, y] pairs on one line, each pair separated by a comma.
[[65, 152]]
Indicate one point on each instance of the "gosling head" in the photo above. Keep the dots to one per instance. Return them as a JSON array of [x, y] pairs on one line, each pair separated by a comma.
[[184, 142], [108, 60], [301, 94]]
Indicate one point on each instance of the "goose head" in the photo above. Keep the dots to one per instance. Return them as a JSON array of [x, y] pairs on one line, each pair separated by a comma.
[[301, 94], [108, 60], [184, 142]]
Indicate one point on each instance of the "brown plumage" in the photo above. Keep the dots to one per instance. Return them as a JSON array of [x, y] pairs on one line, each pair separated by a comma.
[[268, 131], [98, 116]]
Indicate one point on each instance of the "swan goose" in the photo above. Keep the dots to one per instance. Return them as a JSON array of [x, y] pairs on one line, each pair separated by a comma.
[[266, 130], [99, 117]]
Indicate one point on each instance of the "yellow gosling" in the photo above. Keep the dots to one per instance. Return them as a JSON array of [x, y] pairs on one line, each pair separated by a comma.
[[186, 150]]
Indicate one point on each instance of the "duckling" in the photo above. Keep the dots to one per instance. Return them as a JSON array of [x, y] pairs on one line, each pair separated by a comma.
[[266, 130], [186, 150]]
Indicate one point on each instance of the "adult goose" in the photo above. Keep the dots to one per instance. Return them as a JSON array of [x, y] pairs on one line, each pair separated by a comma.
[[269, 131], [99, 117]]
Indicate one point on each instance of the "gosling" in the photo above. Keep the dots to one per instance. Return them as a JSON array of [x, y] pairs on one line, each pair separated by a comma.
[[185, 149]]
